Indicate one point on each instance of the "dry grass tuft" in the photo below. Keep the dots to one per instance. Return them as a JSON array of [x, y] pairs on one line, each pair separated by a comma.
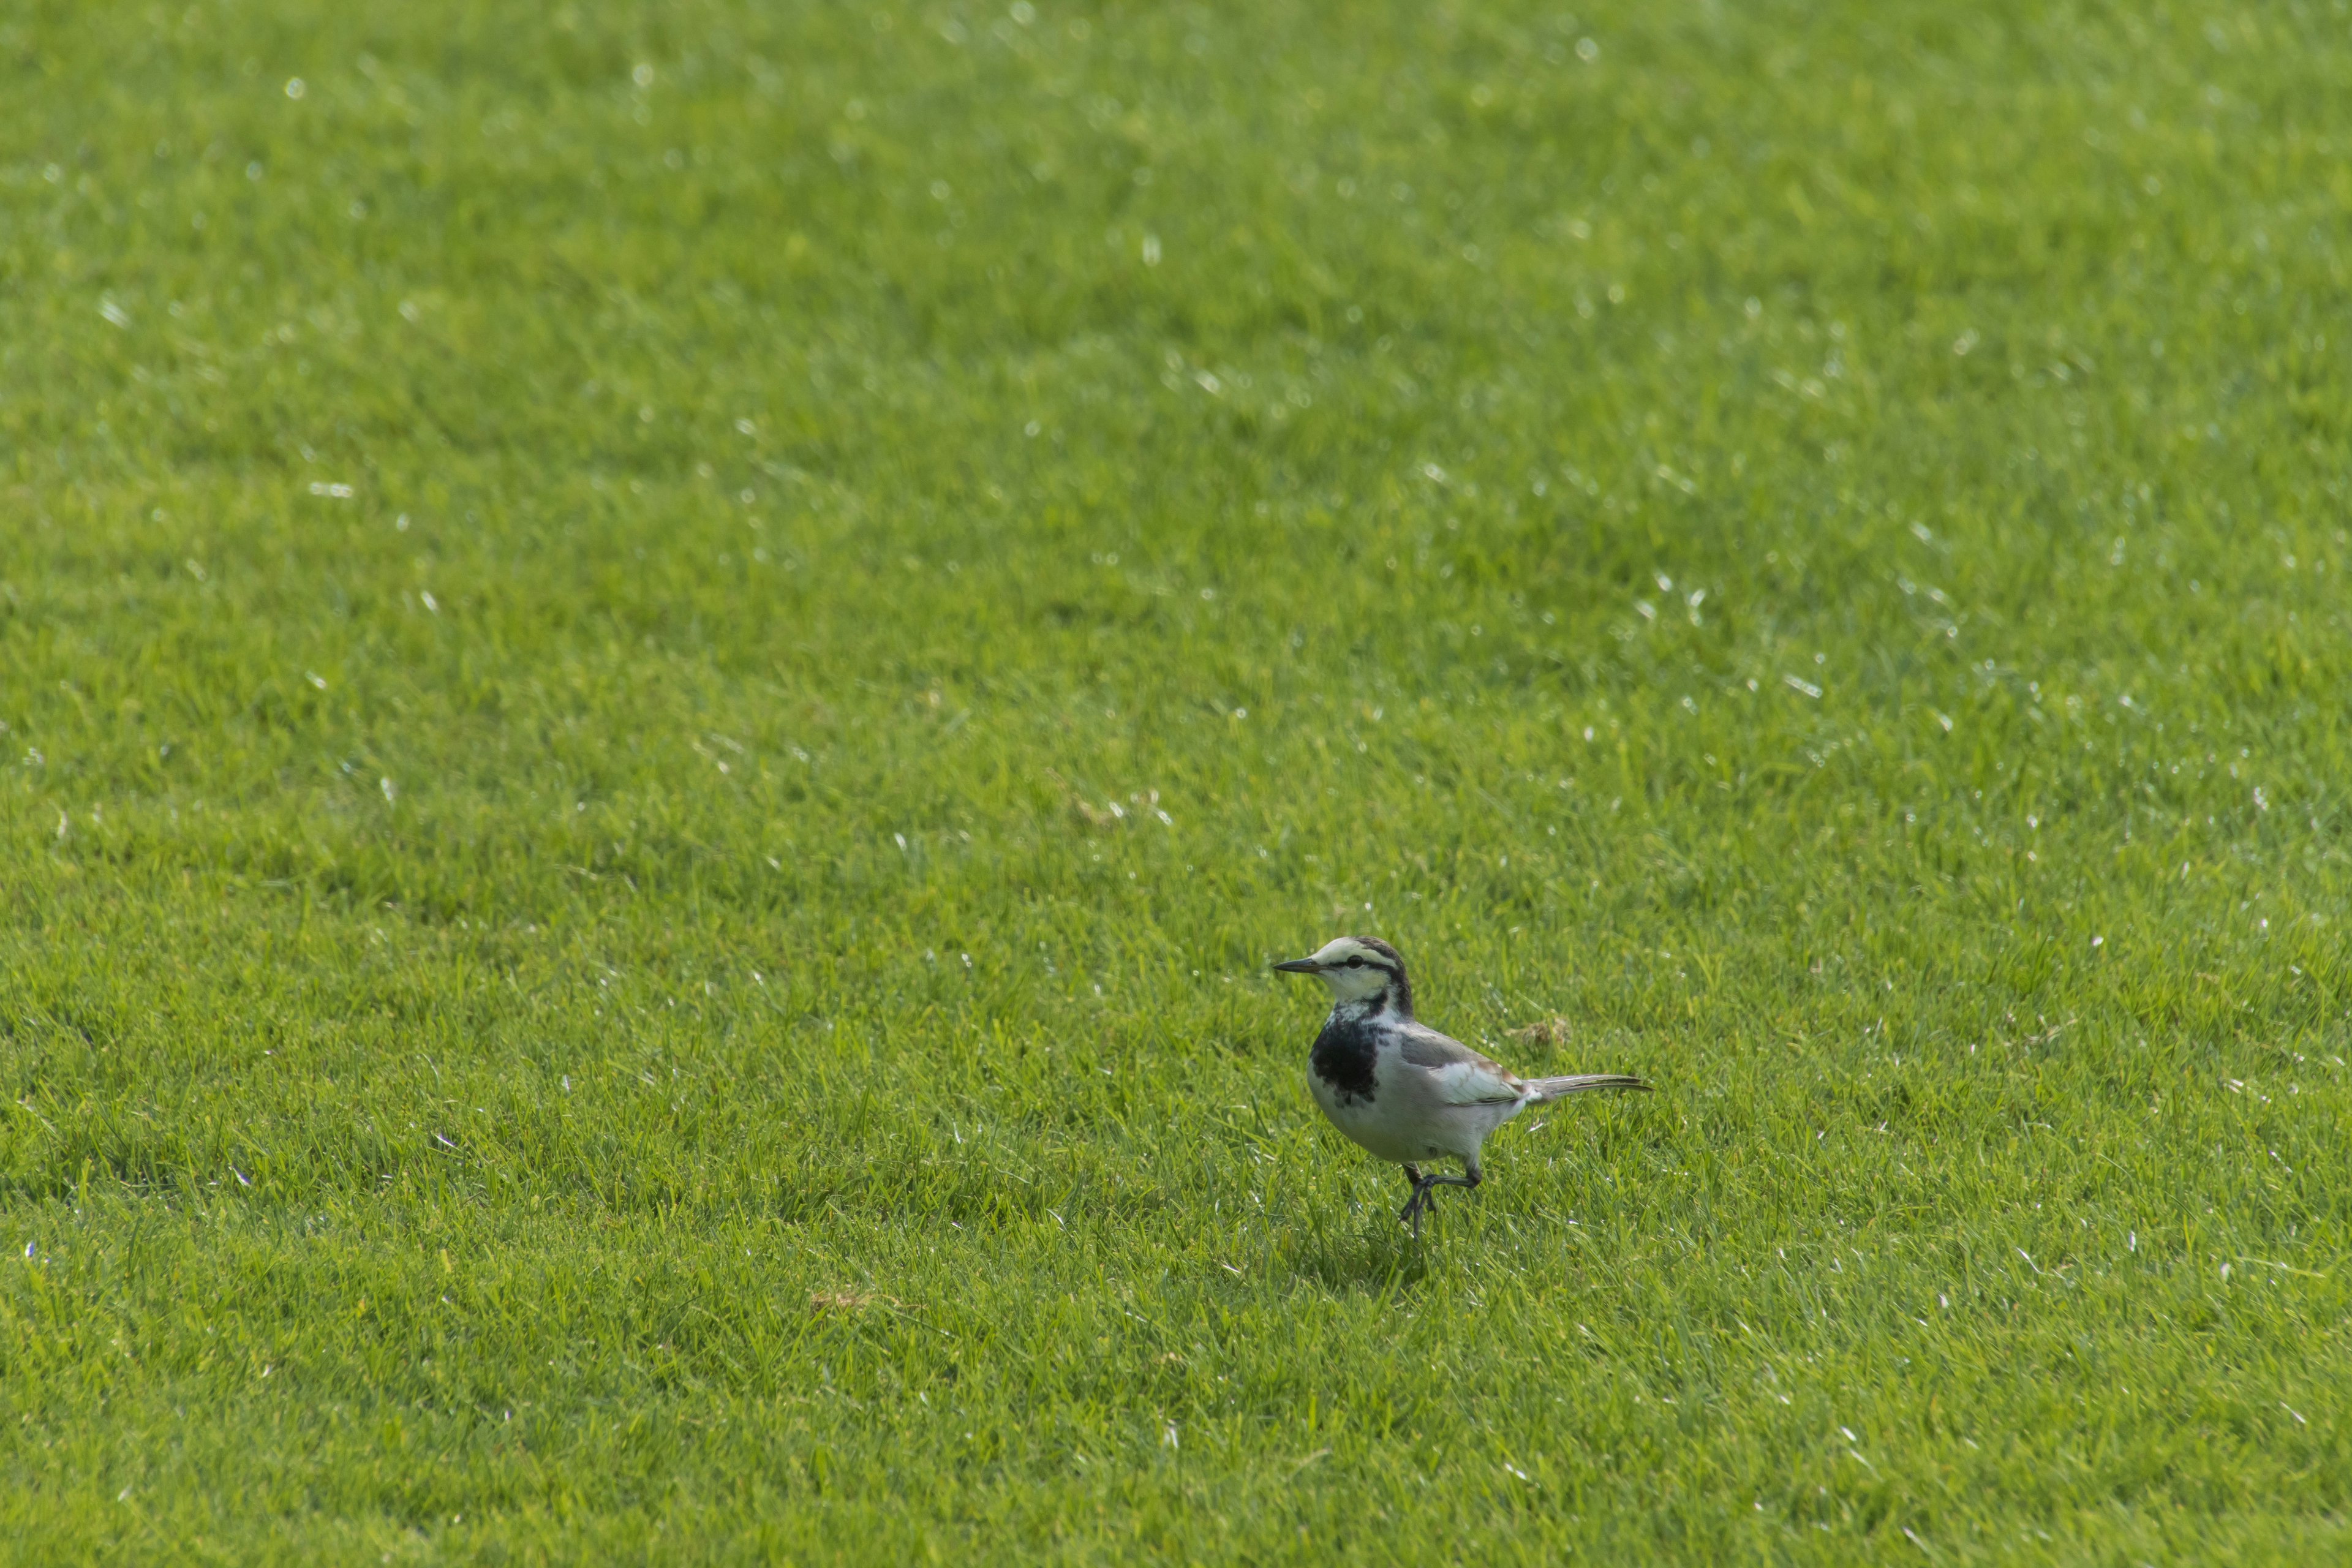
[[851, 1301]]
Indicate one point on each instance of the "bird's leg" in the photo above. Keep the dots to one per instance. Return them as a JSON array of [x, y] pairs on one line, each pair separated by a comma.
[[1424, 1193], [1410, 1213], [1423, 1197]]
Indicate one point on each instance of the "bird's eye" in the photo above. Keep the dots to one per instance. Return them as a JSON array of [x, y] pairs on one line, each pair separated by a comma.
[[1355, 963]]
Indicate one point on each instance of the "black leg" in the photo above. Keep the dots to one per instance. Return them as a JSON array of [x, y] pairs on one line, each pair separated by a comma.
[[1424, 1193], [1410, 1213]]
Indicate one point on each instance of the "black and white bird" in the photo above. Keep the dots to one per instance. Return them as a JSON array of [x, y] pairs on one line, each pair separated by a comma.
[[1401, 1089]]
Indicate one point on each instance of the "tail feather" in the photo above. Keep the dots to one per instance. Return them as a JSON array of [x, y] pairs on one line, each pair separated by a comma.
[[1551, 1089]]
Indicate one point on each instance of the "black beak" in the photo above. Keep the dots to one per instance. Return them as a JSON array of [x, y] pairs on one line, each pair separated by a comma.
[[1299, 966]]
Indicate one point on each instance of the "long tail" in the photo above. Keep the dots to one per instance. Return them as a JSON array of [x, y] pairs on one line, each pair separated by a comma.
[[1545, 1090]]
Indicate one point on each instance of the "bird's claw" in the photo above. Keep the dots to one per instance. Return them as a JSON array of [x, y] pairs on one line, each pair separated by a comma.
[[1424, 1198]]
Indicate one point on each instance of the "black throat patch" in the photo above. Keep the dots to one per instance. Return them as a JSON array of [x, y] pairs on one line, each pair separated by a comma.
[[1343, 1056]]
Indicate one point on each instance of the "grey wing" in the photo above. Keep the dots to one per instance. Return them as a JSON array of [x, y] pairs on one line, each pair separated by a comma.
[[1460, 1076]]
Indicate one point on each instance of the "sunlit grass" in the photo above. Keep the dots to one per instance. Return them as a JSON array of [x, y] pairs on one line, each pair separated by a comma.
[[666, 677]]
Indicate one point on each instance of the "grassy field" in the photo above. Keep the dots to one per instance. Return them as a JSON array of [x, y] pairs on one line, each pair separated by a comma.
[[666, 674]]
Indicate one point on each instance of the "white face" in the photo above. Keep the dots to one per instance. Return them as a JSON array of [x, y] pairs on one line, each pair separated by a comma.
[[1349, 981]]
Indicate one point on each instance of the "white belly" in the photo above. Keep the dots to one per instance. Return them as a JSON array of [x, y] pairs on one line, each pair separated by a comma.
[[1406, 1120]]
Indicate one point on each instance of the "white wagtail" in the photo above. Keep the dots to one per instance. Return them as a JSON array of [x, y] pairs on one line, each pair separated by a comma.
[[1401, 1089]]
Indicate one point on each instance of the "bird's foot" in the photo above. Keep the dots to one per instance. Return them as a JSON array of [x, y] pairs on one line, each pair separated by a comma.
[[1424, 1195], [1423, 1200]]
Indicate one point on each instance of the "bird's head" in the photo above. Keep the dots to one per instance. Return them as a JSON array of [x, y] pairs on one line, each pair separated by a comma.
[[1358, 969]]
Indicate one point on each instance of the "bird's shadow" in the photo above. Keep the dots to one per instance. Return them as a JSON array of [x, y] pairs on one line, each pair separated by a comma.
[[1379, 1265]]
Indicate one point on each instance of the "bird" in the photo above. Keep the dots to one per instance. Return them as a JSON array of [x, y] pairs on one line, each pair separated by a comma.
[[1399, 1089]]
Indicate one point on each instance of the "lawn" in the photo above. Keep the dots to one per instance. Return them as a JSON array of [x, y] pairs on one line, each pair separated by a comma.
[[667, 673]]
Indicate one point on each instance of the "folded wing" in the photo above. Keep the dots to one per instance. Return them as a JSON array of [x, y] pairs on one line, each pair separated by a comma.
[[1460, 1075]]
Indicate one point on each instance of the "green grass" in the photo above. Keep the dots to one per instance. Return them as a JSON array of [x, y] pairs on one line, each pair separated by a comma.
[[621, 989]]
